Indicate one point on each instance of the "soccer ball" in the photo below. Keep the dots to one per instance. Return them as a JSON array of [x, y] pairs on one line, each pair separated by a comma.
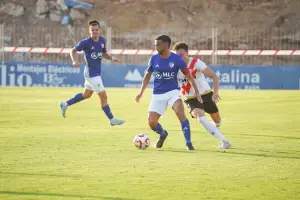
[[141, 141]]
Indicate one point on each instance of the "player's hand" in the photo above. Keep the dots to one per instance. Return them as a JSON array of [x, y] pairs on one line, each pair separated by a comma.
[[199, 98], [75, 64], [138, 97], [216, 97], [116, 60]]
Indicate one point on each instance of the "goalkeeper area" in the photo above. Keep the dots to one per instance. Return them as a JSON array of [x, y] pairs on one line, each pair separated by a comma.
[[44, 156]]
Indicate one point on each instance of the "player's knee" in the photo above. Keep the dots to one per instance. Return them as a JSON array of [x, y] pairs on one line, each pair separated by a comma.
[[197, 113]]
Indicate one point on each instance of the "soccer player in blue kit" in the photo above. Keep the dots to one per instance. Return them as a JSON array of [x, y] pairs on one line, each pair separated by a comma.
[[94, 48], [165, 66]]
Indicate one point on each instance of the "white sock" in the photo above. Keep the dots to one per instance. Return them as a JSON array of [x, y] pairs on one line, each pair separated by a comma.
[[212, 129]]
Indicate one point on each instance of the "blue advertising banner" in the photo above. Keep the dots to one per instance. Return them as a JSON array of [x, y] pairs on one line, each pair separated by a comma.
[[64, 75], [41, 75]]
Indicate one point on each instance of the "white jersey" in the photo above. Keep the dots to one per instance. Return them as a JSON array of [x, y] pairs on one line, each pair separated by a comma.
[[196, 66]]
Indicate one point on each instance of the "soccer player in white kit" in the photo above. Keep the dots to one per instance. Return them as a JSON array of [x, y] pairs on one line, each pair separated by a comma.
[[165, 66], [199, 70]]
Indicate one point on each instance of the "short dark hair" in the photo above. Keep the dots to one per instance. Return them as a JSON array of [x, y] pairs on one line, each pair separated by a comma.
[[164, 38], [181, 45], [94, 23]]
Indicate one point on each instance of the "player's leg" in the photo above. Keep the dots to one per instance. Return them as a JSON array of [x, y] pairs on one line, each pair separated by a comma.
[[216, 118], [177, 106], [153, 118], [211, 108], [211, 128], [99, 88], [77, 98], [157, 108]]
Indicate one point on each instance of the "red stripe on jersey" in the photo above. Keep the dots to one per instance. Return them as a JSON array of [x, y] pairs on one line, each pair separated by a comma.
[[186, 88]]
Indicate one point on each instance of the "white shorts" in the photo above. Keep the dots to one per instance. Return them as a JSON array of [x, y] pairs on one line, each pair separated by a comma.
[[94, 83], [160, 102]]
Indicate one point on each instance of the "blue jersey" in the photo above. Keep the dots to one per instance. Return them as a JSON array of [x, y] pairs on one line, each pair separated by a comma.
[[93, 52], [165, 72]]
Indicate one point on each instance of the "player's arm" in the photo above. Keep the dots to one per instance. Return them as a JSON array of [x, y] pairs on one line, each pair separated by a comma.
[[110, 57], [191, 79], [145, 83], [146, 80], [211, 74], [74, 57]]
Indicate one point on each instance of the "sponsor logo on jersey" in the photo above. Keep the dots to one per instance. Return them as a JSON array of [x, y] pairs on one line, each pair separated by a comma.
[[165, 75], [95, 55]]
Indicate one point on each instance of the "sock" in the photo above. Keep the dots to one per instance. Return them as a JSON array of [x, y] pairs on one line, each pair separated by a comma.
[[77, 98], [107, 111], [211, 128], [159, 130], [185, 126]]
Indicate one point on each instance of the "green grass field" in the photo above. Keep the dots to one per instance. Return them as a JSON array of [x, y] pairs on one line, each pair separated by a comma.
[[43, 156]]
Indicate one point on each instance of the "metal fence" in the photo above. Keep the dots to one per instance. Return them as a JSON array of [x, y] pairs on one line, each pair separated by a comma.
[[206, 39]]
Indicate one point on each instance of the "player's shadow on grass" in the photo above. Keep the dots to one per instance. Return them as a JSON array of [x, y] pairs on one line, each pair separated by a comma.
[[34, 174], [60, 195], [176, 150], [273, 136], [274, 151], [229, 151]]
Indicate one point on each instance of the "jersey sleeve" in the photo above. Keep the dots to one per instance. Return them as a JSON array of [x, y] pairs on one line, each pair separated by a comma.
[[150, 65], [81, 45], [200, 65]]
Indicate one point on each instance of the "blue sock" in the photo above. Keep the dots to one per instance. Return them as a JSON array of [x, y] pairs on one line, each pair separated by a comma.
[[107, 111], [77, 98], [185, 126], [159, 130]]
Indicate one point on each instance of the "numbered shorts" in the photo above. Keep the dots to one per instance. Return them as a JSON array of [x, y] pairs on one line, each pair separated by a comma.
[[160, 102], [94, 83], [208, 105]]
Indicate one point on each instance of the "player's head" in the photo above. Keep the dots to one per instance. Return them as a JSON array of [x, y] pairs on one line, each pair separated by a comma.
[[94, 28], [162, 43], [181, 49]]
